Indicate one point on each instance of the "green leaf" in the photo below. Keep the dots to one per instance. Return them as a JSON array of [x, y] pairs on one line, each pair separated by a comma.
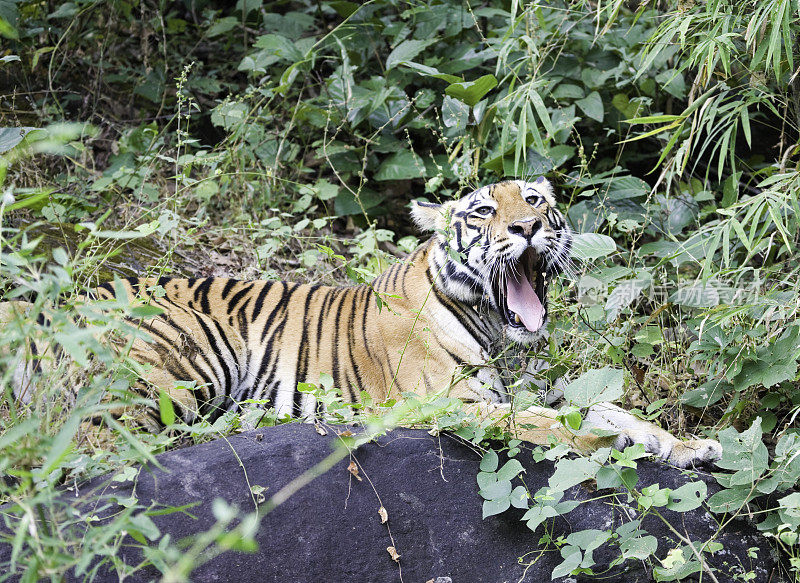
[[346, 203], [492, 507], [144, 311], [767, 372], [60, 447], [730, 500], [427, 71], [344, 8], [687, 497], [744, 452], [572, 561], [509, 470], [595, 386], [570, 473], [592, 105], [406, 51], [222, 25], [608, 477], [496, 490], [404, 165], [707, 394], [489, 461], [454, 113], [589, 246], [653, 119], [538, 514], [639, 547], [486, 479], [9, 17], [471, 92], [10, 137], [166, 408], [519, 497]]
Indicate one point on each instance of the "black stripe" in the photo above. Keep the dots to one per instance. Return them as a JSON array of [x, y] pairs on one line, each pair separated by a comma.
[[330, 294], [201, 292], [259, 303], [336, 372], [226, 382], [281, 306], [303, 351], [229, 285], [351, 321], [367, 296], [246, 289]]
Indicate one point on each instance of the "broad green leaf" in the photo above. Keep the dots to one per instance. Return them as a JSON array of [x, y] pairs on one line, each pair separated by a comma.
[[706, 394], [639, 547], [492, 507], [471, 92], [743, 452], [730, 500], [404, 165], [626, 187], [496, 490], [10, 137], [9, 17], [571, 472], [406, 51], [144, 311], [766, 372], [509, 470], [592, 105], [572, 560], [538, 514], [489, 462], [486, 479], [346, 204], [519, 497], [608, 477], [430, 72], [688, 497], [223, 25], [595, 386], [790, 509], [589, 246], [454, 113]]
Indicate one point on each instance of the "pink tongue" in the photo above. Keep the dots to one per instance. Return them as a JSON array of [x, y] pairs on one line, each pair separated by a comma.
[[524, 301]]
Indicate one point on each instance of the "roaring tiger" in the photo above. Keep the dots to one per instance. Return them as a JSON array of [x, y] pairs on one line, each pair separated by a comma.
[[478, 284]]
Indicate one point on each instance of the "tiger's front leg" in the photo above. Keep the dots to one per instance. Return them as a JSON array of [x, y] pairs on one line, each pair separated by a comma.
[[538, 425], [631, 430]]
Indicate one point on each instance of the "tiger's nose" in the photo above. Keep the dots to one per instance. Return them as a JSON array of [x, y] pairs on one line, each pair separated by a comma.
[[527, 228]]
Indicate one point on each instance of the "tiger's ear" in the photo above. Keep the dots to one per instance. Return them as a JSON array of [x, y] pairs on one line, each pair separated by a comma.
[[428, 215]]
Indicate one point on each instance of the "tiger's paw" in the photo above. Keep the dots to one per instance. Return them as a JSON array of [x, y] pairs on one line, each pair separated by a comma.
[[671, 449], [656, 441]]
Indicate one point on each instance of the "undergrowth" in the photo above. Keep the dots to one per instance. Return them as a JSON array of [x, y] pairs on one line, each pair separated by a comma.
[[285, 140]]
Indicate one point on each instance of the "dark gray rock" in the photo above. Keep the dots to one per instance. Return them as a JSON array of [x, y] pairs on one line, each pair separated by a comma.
[[330, 530]]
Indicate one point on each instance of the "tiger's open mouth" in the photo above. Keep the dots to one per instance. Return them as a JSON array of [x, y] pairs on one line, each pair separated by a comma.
[[523, 301]]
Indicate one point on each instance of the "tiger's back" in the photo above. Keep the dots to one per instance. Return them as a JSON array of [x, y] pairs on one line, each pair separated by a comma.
[[219, 342]]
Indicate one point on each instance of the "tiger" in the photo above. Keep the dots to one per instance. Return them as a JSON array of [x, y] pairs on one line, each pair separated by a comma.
[[478, 284]]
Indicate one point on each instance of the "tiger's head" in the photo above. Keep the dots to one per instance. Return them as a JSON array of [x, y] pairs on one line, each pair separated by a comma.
[[499, 247]]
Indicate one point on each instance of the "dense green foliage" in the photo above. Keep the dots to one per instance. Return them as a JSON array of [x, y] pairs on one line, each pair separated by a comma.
[[285, 139]]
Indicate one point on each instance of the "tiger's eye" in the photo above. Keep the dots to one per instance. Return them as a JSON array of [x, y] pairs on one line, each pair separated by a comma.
[[484, 211]]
